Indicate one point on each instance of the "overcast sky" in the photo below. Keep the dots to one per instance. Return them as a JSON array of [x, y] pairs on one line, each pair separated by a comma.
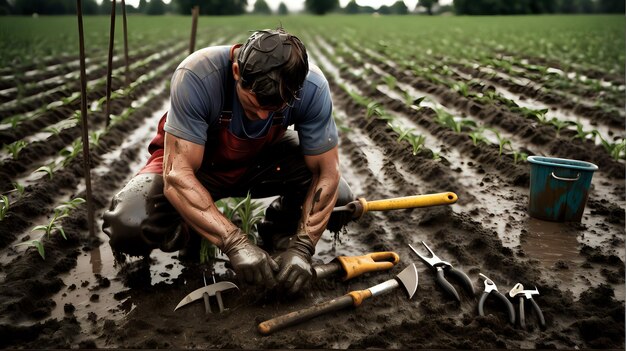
[[297, 5]]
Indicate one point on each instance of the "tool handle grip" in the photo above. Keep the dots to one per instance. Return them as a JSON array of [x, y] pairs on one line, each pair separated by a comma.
[[522, 314], [354, 266], [463, 278], [414, 201], [293, 318], [441, 280], [542, 320], [509, 306]]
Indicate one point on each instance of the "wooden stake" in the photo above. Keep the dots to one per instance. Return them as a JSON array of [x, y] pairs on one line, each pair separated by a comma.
[[127, 71], [194, 25], [110, 62], [83, 119]]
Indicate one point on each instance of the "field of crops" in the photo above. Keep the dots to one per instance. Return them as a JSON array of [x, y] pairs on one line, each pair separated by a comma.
[[424, 105]]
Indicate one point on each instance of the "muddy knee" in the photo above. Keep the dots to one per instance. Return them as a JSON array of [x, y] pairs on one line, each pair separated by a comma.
[[141, 219]]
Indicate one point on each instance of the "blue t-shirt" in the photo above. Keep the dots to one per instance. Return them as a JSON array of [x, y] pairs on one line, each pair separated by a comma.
[[197, 100]]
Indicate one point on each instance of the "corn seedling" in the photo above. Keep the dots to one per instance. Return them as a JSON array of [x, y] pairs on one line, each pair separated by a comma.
[[558, 124], [373, 109], [49, 170], [461, 88], [36, 244], [19, 188], [72, 151], [94, 138], [519, 156], [4, 206], [53, 130], [391, 82], [477, 136], [250, 213], [615, 150], [584, 135], [448, 120], [15, 148], [502, 142]]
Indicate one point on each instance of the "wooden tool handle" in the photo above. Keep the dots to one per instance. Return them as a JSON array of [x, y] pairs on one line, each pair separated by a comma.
[[293, 318], [409, 202]]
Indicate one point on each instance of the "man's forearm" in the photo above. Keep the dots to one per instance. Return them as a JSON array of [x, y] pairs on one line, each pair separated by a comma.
[[195, 204], [318, 205]]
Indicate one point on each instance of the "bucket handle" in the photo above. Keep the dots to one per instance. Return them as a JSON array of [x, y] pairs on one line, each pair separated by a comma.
[[566, 179]]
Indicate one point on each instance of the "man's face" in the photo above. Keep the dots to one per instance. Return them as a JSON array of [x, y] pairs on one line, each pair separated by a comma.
[[251, 106]]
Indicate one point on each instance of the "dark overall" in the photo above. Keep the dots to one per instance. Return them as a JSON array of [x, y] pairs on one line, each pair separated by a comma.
[[140, 218]]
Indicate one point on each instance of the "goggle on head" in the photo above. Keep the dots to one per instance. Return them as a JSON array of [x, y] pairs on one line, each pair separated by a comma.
[[260, 60]]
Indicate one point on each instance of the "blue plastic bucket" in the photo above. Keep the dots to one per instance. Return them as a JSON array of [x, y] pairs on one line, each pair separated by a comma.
[[559, 188]]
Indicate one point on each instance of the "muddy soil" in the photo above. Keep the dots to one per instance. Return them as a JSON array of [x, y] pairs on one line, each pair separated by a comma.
[[80, 296]]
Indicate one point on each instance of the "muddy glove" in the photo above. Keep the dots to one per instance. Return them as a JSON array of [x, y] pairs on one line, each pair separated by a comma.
[[248, 260], [295, 263]]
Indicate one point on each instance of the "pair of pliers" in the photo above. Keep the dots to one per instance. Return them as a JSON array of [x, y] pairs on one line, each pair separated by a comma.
[[518, 289], [492, 289], [441, 267]]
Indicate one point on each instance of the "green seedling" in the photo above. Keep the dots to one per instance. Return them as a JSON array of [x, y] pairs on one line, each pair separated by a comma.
[[4, 206], [417, 143], [448, 120], [373, 109], [391, 82], [478, 137], [37, 244], [94, 138], [19, 188], [72, 151], [52, 225], [250, 213], [15, 148], [519, 156], [436, 156], [52, 130], [615, 150], [585, 135], [502, 142], [558, 124], [461, 88], [49, 169]]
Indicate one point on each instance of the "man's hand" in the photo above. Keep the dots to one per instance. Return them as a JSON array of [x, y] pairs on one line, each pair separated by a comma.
[[295, 263], [248, 260]]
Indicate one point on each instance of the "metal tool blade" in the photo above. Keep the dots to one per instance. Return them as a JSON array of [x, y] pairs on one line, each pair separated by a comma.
[[408, 278], [211, 290]]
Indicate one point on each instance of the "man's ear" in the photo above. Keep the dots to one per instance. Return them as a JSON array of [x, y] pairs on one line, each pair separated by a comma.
[[236, 71]]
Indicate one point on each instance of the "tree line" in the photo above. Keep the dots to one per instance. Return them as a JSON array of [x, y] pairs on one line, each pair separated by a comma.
[[318, 7]]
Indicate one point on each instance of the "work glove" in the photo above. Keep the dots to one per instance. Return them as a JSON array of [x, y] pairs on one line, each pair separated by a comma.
[[295, 263], [249, 261]]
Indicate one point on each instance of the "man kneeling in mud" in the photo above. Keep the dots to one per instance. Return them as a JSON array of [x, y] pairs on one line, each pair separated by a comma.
[[226, 135]]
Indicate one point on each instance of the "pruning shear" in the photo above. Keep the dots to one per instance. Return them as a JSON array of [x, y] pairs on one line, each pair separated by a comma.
[[441, 267], [518, 289], [492, 289]]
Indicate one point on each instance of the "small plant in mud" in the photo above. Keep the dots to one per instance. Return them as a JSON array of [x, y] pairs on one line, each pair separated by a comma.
[[446, 119], [462, 88], [94, 138], [248, 213], [478, 137], [539, 115], [615, 150], [519, 156], [391, 82], [60, 212], [15, 148], [373, 109], [585, 135], [71, 151], [558, 124], [502, 141], [4, 206], [48, 169]]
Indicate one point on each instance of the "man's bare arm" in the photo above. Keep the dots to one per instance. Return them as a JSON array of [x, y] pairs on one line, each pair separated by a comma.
[[322, 194], [194, 203]]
